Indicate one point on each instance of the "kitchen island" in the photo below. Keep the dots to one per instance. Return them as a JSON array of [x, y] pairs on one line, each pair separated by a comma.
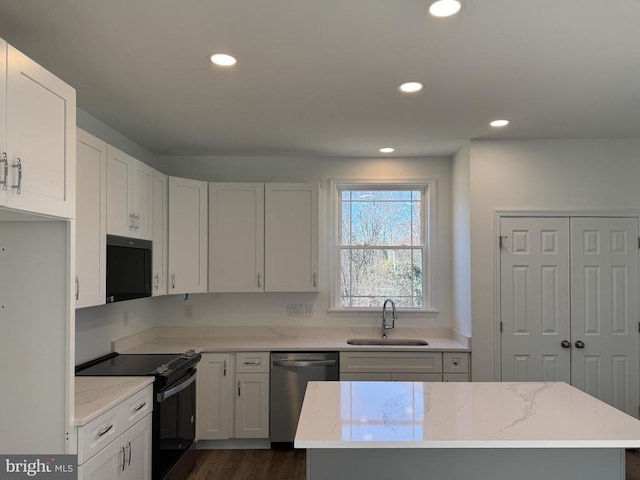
[[498, 431]]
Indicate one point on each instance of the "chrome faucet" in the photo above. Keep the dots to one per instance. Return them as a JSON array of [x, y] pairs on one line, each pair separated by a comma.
[[385, 327]]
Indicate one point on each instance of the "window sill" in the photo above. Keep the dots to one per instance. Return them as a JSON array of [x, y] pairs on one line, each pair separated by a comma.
[[368, 312]]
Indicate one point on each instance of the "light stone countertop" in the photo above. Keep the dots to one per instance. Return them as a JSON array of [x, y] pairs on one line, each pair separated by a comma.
[[238, 339], [96, 395], [459, 415]]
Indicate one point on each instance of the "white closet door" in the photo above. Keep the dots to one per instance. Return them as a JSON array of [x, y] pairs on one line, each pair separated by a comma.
[[534, 292], [604, 305]]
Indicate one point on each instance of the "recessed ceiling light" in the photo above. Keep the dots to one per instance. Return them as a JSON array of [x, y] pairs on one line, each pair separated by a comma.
[[410, 87], [444, 8], [499, 123], [387, 150], [223, 60]]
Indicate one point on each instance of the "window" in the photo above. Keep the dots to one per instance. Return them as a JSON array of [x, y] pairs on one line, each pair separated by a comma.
[[382, 246]]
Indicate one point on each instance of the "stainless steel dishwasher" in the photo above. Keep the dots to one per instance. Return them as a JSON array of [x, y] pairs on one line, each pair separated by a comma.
[[290, 373]]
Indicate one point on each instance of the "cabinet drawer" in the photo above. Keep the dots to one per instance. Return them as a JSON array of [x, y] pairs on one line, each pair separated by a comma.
[[456, 362], [392, 362], [97, 434], [252, 362], [136, 407]]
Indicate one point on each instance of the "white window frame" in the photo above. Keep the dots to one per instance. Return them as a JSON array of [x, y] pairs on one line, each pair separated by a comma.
[[429, 258]]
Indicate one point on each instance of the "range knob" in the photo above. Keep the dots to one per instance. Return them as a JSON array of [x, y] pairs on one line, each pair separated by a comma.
[[162, 368]]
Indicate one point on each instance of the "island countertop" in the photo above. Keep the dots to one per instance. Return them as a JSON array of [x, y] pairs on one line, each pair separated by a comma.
[[337, 415]]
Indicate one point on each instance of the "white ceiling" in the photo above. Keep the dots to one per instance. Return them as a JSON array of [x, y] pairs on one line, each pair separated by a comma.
[[319, 78]]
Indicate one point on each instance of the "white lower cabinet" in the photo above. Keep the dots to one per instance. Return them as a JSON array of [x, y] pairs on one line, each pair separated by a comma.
[[233, 409], [213, 403], [117, 443], [404, 366], [252, 395], [127, 457]]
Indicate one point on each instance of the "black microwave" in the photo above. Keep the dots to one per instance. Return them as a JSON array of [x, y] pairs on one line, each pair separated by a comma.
[[128, 268]]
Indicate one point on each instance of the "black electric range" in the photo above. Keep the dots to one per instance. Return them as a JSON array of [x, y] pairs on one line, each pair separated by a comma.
[[174, 407]]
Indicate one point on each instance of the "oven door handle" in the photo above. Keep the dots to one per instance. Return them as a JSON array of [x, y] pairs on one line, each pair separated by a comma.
[[162, 396]]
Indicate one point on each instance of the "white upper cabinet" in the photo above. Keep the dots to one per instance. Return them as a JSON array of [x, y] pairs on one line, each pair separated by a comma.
[[37, 137], [129, 196], [91, 220], [263, 238], [236, 240], [160, 233], [291, 237], [187, 236]]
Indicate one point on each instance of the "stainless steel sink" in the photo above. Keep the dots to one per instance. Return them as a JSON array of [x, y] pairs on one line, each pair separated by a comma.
[[387, 341]]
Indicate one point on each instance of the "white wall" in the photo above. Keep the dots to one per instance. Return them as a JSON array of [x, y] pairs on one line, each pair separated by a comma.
[[537, 174], [461, 241], [271, 309]]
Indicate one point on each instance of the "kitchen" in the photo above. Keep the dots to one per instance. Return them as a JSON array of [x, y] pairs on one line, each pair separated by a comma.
[[561, 169]]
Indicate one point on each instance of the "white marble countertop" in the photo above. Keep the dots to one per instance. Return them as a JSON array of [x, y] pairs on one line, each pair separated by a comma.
[[96, 395], [238, 339], [459, 415]]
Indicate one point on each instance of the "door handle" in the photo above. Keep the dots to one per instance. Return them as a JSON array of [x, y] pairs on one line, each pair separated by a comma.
[[579, 344], [565, 344]]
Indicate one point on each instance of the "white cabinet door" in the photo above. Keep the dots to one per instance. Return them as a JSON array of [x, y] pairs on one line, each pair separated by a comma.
[[91, 219], [129, 196], [213, 397], [236, 237], [252, 405], [119, 192], [142, 200], [291, 237], [4, 161], [534, 283], [40, 138], [604, 310], [137, 448], [160, 233], [187, 236], [106, 465]]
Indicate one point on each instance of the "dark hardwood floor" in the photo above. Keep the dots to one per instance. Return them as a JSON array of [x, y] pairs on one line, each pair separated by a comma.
[[291, 465]]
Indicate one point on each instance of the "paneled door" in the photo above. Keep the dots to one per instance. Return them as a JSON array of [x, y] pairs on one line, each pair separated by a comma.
[[534, 284], [604, 310], [569, 304]]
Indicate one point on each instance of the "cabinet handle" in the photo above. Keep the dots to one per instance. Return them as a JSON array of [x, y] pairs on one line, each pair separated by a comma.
[[124, 458], [157, 281], [224, 368], [130, 452], [315, 279], [238, 387], [139, 407], [131, 220], [18, 187], [173, 280], [259, 281], [100, 434], [5, 170], [253, 362], [136, 221], [77, 288]]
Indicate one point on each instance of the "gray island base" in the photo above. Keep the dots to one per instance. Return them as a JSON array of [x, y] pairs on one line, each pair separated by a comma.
[[461, 431], [467, 463]]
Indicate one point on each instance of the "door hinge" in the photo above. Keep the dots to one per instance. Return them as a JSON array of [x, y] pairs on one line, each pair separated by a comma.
[[500, 326]]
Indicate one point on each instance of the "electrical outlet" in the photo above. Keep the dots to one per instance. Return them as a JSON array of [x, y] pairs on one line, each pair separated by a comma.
[[295, 310], [125, 319], [308, 310], [188, 311]]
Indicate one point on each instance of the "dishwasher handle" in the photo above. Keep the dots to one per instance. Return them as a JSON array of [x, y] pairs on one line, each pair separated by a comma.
[[303, 363]]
